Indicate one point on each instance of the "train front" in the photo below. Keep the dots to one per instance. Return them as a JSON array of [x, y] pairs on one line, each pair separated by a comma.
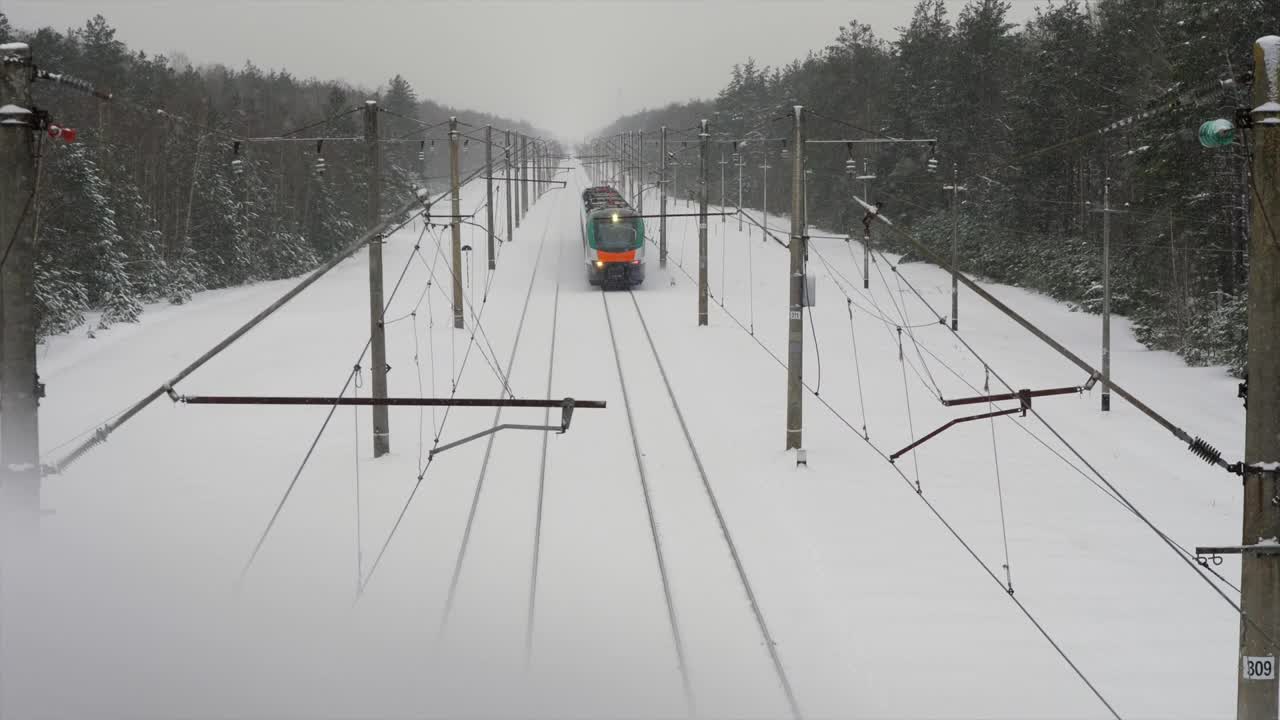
[[615, 245]]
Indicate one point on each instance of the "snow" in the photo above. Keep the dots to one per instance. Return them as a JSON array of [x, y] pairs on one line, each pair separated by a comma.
[[1267, 466], [14, 47], [866, 594]]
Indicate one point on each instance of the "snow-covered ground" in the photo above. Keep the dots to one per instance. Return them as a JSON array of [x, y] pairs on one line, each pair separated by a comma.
[[876, 609]]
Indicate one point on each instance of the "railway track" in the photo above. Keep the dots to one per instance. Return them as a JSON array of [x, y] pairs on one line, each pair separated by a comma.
[[696, 554]]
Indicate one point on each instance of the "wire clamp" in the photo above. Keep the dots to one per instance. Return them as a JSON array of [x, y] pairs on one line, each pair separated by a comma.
[[566, 414], [1206, 559]]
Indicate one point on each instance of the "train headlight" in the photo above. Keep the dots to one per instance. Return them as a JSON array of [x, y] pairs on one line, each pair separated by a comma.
[[615, 217], [599, 263]]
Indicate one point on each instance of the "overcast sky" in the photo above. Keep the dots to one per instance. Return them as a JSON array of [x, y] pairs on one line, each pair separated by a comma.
[[569, 66]]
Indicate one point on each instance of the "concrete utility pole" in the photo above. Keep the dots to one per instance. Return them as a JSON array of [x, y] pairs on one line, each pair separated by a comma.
[[455, 223], [795, 329], [640, 163], [764, 201], [866, 234], [488, 188], [1106, 296], [723, 163], [1260, 573], [662, 199], [378, 343], [524, 176], [741, 162], [705, 139], [19, 396], [506, 156], [955, 189]]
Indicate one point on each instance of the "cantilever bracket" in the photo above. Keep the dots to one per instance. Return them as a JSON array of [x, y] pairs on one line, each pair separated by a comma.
[[1024, 404], [566, 415], [1213, 554]]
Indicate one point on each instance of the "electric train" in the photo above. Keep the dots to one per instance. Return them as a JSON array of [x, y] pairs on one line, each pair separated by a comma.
[[612, 239]]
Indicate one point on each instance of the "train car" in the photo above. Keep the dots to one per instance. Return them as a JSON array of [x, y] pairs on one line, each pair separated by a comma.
[[612, 239]]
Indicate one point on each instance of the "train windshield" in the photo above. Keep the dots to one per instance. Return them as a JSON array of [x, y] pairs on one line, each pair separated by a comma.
[[615, 237]]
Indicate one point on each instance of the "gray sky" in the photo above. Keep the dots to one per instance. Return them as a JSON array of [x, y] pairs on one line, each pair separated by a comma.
[[569, 66]]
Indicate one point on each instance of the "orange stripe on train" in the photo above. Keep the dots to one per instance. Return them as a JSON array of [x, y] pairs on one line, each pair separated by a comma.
[[611, 257]]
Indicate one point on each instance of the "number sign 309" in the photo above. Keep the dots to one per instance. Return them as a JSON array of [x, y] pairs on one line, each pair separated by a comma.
[[1259, 668]]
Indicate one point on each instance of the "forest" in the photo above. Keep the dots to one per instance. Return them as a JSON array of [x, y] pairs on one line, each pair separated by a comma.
[[1015, 110], [155, 200]]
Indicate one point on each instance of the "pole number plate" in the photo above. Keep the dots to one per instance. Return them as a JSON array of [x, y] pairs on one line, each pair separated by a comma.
[[1258, 668], [795, 314]]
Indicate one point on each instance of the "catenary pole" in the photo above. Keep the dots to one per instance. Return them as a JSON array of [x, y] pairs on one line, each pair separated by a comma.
[[723, 163], [663, 181], [764, 202], [378, 336], [955, 189], [1106, 296], [506, 157], [640, 163], [455, 223], [488, 189], [704, 148], [741, 161], [1260, 573], [795, 329], [19, 398], [524, 176]]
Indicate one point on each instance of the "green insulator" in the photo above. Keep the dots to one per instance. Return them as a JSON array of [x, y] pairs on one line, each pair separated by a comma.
[[1217, 133]]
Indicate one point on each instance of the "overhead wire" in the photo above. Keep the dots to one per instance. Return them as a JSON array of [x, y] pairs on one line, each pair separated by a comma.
[[306, 458], [355, 416], [1183, 554], [422, 472], [488, 450], [946, 524]]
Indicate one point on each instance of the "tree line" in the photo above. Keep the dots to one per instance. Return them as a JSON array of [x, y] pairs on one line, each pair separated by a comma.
[[148, 207], [1014, 110]]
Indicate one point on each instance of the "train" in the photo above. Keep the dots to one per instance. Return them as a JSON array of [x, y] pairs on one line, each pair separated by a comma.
[[612, 239]]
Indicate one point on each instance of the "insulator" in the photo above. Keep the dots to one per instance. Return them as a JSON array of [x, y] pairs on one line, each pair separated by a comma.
[[1205, 451], [1217, 133]]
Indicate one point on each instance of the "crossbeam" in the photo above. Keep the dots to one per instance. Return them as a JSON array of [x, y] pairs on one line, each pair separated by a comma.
[[531, 181], [670, 215], [1271, 548], [393, 401]]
